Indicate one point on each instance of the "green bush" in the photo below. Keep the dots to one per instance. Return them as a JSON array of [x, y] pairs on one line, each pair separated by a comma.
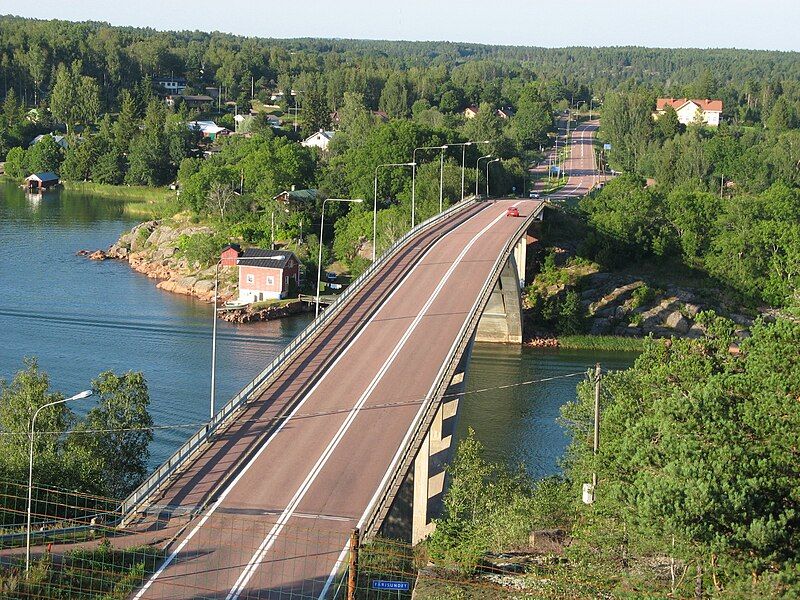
[[487, 508], [641, 296], [201, 249]]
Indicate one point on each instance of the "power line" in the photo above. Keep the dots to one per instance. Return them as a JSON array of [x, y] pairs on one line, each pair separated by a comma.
[[395, 404]]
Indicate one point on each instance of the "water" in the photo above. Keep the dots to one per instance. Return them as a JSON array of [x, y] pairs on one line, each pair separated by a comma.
[[520, 424], [81, 317]]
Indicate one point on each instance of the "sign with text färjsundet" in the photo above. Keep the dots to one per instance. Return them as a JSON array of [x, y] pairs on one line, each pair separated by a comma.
[[379, 584]]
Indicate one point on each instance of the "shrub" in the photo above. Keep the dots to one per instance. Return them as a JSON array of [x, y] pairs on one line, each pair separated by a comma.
[[200, 249], [642, 295]]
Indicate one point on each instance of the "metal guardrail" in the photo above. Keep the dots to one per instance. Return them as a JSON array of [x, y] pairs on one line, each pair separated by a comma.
[[193, 444], [374, 520]]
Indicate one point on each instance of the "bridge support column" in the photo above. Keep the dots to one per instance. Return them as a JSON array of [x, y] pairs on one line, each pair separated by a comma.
[[436, 451], [521, 258], [501, 321]]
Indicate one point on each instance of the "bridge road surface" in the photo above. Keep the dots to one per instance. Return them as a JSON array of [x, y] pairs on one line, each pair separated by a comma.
[[580, 164], [281, 527]]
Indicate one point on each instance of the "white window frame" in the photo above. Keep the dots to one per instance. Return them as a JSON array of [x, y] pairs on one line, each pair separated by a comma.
[[251, 278], [270, 280]]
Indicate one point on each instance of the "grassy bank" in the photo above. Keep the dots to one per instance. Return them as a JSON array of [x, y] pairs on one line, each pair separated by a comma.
[[135, 193], [611, 343]]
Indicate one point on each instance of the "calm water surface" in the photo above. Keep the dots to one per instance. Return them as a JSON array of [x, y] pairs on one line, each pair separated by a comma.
[[81, 317]]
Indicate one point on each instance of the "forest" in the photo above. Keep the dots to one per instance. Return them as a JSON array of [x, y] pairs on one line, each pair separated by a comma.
[[723, 200]]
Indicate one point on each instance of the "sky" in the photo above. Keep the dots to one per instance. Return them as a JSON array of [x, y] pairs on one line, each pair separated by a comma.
[[762, 24]]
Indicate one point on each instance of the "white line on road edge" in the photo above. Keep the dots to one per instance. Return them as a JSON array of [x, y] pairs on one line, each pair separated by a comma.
[[255, 457], [405, 441], [272, 537]]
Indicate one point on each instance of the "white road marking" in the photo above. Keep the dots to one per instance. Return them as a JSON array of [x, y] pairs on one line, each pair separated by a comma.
[[255, 457], [271, 538]]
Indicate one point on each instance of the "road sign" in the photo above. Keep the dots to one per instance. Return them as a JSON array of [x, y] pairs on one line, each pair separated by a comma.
[[379, 584], [606, 146]]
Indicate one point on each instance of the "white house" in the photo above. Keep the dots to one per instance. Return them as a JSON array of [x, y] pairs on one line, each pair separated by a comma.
[[173, 85], [690, 111], [320, 140], [208, 129], [58, 139]]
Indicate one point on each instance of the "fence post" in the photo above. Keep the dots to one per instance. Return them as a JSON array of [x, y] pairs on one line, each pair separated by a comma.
[[352, 575]]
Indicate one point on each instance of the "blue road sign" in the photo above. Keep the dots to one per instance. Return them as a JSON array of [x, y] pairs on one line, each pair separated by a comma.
[[379, 584], [606, 146]]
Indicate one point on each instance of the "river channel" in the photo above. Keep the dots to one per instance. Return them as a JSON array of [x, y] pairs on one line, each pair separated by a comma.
[[80, 317]]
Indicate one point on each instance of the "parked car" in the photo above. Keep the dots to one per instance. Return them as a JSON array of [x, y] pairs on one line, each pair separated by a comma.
[[512, 212], [330, 276], [535, 195]]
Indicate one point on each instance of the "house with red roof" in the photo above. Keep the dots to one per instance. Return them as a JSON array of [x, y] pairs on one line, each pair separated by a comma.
[[708, 112]]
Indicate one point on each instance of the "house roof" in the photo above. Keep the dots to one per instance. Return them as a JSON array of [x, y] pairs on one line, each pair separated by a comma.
[[270, 259], [236, 247], [299, 195], [326, 134], [206, 127], [197, 98], [43, 177], [381, 114], [58, 139], [472, 108], [678, 103]]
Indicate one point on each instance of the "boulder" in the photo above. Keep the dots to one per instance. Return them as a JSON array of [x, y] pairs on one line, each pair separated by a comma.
[[676, 321], [204, 286], [98, 255], [600, 327]]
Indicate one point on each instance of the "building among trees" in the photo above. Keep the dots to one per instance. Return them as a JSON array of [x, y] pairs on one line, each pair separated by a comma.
[[690, 111]]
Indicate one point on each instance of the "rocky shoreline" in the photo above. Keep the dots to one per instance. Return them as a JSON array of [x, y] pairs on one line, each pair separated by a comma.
[[251, 314], [151, 248]]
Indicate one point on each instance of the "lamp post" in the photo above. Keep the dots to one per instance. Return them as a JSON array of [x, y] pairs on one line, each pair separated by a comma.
[[487, 174], [80, 396], [319, 259], [463, 159], [477, 177], [375, 204], [414, 178]]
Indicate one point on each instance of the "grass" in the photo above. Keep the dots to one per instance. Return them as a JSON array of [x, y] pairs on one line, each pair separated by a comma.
[[103, 572], [611, 343], [140, 193]]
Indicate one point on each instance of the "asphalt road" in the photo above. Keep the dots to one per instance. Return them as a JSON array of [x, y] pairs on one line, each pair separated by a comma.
[[280, 528], [580, 166]]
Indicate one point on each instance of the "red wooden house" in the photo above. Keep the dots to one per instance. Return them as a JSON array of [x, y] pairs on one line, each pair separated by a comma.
[[267, 274]]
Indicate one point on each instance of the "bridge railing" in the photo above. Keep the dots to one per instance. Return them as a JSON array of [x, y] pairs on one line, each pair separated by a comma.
[[376, 513], [194, 443]]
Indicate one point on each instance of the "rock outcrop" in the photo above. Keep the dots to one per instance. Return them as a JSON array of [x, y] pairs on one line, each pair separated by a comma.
[[151, 248]]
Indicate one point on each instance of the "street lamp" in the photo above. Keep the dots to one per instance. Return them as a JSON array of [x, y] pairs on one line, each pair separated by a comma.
[[477, 177], [319, 260], [414, 179], [463, 158], [80, 396], [375, 204], [487, 174]]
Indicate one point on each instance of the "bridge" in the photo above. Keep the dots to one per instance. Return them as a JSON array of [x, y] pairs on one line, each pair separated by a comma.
[[352, 423], [350, 426]]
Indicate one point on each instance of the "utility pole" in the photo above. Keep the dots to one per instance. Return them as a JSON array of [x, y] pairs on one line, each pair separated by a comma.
[[596, 444]]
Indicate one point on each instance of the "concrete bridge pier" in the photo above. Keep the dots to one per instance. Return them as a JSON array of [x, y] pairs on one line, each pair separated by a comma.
[[436, 451], [419, 497], [501, 321]]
